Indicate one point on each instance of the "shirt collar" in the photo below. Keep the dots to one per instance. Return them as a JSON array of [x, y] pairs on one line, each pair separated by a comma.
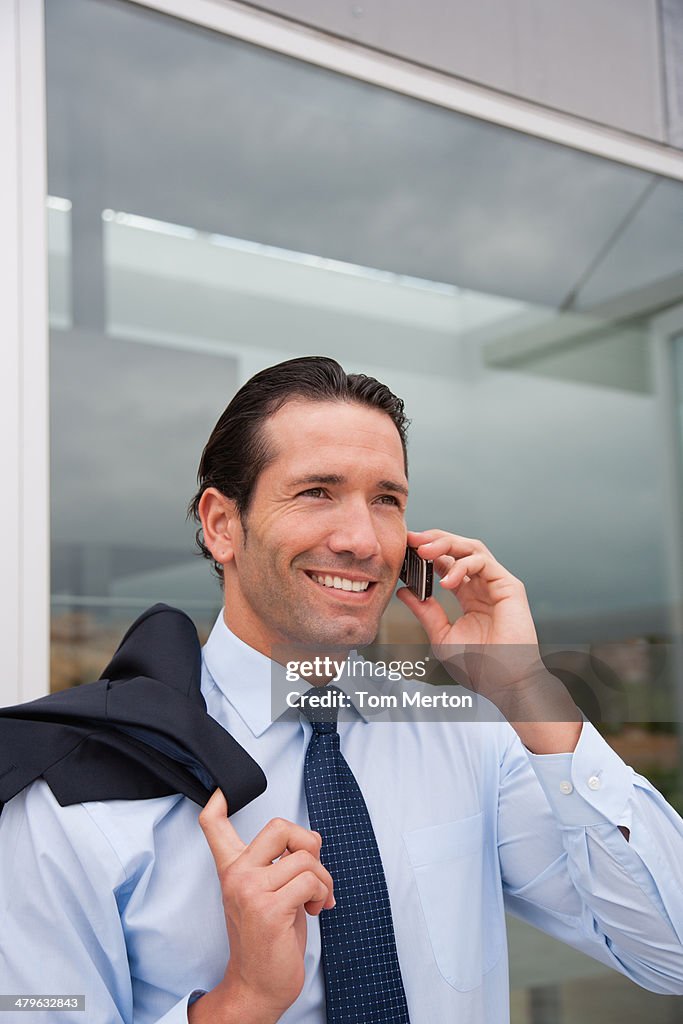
[[254, 685]]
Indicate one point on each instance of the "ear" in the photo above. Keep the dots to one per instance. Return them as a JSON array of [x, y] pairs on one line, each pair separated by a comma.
[[220, 524]]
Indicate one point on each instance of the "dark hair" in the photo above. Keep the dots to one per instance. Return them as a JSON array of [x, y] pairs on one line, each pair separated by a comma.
[[237, 450]]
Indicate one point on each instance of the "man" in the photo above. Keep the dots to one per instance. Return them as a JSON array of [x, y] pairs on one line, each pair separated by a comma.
[[159, 916]]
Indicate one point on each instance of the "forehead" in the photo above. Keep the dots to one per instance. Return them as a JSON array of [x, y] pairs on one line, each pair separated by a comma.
[[303, 431]]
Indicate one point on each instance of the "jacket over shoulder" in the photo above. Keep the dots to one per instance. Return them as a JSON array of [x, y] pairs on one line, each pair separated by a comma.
[[140, 731]]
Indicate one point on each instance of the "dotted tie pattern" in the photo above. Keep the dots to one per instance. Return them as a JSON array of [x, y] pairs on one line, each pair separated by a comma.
[[363, 982]]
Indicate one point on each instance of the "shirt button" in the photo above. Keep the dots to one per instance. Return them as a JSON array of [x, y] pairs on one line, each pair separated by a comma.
[[594, 782], [566, 787]]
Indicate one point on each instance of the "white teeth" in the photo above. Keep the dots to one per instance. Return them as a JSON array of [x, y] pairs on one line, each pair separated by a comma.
[[341, 583]]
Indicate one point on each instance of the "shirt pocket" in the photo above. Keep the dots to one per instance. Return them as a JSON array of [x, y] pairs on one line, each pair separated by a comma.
[[459, 890]]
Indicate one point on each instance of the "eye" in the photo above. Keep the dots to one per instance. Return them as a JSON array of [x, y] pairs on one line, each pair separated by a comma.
[[312, 492], [389, 499]]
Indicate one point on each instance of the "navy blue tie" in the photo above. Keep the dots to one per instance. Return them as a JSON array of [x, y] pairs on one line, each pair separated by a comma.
[[363, 982]]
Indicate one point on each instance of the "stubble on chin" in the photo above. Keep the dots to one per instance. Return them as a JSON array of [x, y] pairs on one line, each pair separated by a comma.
[[335, 630]]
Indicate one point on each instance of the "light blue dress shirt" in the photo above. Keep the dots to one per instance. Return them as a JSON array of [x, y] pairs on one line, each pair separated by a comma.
[[120, 901]]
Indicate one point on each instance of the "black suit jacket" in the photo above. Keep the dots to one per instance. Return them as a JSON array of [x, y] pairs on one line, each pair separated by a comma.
[[140, 731]]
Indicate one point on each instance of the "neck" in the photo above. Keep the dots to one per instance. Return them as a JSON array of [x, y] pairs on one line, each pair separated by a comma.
[[318, 665]]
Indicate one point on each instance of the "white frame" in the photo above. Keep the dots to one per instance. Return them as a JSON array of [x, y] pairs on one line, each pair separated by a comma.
[[24, 384]]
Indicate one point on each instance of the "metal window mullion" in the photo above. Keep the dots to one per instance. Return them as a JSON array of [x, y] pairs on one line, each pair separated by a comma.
[[31, 346], [10, 319], [663, 332]]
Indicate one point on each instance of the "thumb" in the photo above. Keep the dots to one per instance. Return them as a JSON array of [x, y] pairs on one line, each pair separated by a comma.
[[221, 835]]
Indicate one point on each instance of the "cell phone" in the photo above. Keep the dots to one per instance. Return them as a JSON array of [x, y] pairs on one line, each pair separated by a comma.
[[417, 574]]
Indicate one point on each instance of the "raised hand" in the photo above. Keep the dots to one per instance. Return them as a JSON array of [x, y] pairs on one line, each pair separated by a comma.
[[493, 647], [494, 602]]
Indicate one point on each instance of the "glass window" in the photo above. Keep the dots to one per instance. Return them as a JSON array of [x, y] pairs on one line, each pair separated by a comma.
[[215, 208]]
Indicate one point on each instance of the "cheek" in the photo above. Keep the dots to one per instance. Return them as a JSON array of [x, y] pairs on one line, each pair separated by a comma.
[[292, 548], [394, 544], [305, 532]]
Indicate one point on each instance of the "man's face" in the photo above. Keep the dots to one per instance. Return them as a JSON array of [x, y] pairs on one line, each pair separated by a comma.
[[318, 554]]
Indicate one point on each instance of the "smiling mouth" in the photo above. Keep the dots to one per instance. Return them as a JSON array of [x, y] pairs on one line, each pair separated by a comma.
[[340, 582]]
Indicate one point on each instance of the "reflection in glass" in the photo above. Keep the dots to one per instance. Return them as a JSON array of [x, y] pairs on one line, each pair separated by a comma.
[[216, 208]]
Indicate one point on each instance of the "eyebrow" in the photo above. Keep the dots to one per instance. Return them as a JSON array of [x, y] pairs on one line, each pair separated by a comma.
[[334, 479]]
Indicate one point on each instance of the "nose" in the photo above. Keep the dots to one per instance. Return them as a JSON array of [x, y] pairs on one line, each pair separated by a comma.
[[354, 532]]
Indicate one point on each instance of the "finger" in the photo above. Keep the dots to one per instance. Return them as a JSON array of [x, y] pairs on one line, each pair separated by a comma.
[[315, 907], [306, 890], [221, 835], [429, 614], [288, 853], [482, 562], [287, 868], [443, 564], [423, 535], [442, 542], [447, 544], [463, 569], [416, 538], [280, 835]]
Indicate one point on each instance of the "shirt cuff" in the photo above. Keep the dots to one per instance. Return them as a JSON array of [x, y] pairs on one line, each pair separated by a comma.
[[178, 1013], [591, 786]]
